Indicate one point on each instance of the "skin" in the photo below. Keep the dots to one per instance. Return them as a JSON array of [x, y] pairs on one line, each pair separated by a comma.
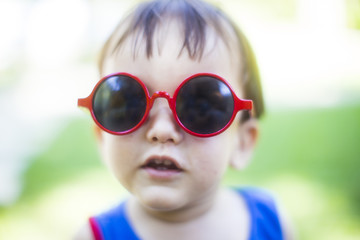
[[190, 200]]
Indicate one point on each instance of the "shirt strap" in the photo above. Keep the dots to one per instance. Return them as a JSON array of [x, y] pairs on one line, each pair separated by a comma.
[[265, 223]]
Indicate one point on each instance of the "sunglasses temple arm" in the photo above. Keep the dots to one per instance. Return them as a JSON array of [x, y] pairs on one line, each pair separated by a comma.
[[84, 102], [247, 105]]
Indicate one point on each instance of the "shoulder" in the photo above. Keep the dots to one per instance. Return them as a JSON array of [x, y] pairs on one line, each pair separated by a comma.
[[267, 215], [259, 201], [84, 233]]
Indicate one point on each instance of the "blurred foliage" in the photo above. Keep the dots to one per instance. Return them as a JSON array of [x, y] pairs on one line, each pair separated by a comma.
[[319, 144], [279, 8], [353, 13], [72, 153], [264, 9], [12, 75]]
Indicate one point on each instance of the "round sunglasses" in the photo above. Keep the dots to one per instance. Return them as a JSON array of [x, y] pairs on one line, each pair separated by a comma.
[[203, 105]]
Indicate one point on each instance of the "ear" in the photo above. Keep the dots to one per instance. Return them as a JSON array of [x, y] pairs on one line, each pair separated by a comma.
[[245, 143]]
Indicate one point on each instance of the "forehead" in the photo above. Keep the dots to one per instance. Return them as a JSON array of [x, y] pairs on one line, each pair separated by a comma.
[[170, 60]]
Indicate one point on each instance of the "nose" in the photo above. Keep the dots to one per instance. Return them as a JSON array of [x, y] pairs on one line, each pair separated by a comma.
[[162, 125]]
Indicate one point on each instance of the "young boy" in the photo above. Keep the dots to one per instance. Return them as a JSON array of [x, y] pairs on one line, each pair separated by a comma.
[[171, 116]]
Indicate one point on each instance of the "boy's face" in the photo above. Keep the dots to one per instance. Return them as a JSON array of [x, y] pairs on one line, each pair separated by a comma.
[[144, 161]]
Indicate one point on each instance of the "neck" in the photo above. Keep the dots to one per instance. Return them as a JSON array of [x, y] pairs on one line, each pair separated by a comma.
[[216, 214], [192, 212]]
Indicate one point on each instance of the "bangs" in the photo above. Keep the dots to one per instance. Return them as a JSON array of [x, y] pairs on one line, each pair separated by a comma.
[[193, 19]]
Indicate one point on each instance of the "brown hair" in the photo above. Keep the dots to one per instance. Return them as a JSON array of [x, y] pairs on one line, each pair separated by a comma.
[[195, 16]]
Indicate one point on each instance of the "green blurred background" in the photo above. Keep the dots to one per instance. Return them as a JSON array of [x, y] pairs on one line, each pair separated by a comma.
[[51, 176]]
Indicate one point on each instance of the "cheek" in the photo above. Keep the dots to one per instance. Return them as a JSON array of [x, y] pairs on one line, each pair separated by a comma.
[[119, 155], [211, 160]]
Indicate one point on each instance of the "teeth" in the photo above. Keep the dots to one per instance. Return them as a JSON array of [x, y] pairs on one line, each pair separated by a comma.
[[167, 162], [162, 164]]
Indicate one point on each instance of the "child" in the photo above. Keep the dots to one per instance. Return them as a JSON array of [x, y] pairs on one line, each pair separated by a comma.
[[171, 115]]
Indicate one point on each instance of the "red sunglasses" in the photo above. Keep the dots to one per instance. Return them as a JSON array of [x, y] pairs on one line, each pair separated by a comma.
[[204, 104]]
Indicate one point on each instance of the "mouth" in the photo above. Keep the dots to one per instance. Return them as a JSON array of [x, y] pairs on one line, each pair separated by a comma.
[[162, 164]]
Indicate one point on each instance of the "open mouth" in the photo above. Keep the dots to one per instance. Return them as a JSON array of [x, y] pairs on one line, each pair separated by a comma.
[[162, 164]]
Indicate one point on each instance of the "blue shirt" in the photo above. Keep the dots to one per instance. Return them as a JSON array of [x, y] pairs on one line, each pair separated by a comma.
[[264, 219]]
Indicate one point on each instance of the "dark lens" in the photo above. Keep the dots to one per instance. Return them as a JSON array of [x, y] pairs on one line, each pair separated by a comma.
[[204, 105], [119, 103]]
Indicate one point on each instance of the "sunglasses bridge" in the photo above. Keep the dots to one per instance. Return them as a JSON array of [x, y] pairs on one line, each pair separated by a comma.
[[161, 94]]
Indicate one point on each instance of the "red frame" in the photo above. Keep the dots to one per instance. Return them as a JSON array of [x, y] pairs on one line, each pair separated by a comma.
[[239, 104]]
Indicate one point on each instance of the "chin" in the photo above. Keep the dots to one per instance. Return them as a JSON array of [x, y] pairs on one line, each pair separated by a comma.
[[162, 199]]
